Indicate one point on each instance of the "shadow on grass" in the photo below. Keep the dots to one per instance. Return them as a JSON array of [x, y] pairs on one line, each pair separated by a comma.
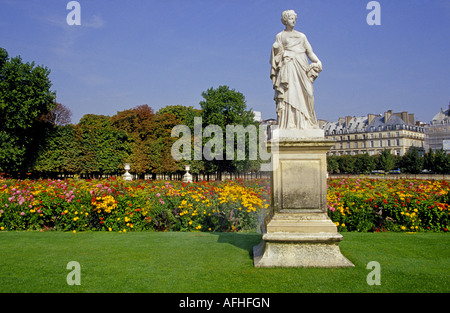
[[245, 241]]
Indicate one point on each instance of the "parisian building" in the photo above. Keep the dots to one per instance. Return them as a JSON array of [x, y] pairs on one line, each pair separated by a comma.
[[438, 132], [373, 133]]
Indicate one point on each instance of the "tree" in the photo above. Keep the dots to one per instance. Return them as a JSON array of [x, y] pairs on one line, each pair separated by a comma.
[[182, 113], [441, 162], [412, 162], [226, 107], [332, 164], [137, 123], [103, 148], [59, 116], [25, 96], [60, 152], [364, 163], [346, 164], [386, 161], [428, 160]]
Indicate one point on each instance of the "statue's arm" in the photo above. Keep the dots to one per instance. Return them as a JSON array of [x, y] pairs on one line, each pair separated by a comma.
[[311, 55]]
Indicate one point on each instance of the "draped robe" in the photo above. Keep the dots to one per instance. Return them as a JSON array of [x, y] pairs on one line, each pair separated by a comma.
[[293, 88]]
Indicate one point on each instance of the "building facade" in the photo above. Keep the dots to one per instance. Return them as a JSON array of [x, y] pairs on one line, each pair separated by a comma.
[[438, 132], [372, 134]]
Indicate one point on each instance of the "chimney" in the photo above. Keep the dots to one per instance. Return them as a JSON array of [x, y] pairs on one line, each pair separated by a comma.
[[387, 115], [404, 116], [341, 121], [370, 118], [321, 123], [347, 120], [411, 118]]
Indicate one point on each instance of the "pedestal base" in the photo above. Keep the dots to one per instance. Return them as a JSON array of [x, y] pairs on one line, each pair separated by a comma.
[[300, 240], [299, 232], [300, 250]]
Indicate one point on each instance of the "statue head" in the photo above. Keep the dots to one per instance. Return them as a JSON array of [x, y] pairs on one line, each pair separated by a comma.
[[286, 15]]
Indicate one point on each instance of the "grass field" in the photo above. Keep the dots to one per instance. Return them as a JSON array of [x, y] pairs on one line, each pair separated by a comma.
[[213, 262]]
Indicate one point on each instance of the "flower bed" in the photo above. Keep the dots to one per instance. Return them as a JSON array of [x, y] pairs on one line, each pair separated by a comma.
[[395, 205], [117, 205]]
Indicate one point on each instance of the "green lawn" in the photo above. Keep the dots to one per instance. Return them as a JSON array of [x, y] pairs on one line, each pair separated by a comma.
[[213, 262]]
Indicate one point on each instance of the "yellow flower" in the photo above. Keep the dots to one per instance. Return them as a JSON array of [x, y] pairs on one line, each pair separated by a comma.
[[190, 223], [109, 229], [74, 231]]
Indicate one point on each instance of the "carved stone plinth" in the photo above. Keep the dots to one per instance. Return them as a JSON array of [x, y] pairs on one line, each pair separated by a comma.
[[298, 231]]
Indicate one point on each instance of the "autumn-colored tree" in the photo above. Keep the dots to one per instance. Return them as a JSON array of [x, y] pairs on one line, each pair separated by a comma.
[[138, 124], [160, 144]]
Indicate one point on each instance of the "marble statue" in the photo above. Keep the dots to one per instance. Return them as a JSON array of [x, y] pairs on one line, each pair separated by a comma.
[[292, 76]]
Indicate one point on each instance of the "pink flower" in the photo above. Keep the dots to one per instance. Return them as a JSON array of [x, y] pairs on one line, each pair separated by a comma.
[[158, 194], [22, 213]]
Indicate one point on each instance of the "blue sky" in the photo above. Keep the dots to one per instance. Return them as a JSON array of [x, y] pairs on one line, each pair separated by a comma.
[[167, 52]]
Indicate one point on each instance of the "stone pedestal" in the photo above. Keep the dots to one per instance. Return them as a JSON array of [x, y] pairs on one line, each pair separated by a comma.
[[298, 231]]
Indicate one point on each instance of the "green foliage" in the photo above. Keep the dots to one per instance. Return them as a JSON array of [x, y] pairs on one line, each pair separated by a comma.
[[411, 162], [437, 162], [386, 161], [25, 96], [102, 148], [226, 107], [59, 152]]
